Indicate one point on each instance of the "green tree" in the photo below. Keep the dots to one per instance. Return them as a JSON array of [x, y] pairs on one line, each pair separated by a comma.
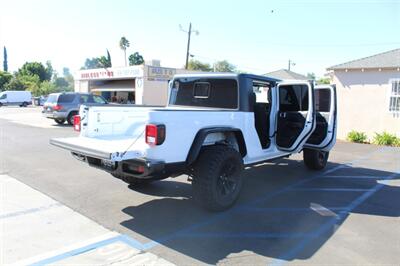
[[5, 62], [61, 83], [92, 63], [24, 82], [324, 81], [32, 69], [49, 70], [198, 65], [46, 87], [103, 61], [98, 62], [109, 58], [66, 72], [124, 44], [5, 78], [69, 78], [224, 66], [15, 84], [311, 76], [135, 59]]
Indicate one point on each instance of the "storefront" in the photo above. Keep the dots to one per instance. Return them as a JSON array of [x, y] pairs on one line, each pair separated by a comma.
[[142, 84]]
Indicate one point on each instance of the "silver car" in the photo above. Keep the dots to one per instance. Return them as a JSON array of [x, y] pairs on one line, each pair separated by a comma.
[[64, 106]]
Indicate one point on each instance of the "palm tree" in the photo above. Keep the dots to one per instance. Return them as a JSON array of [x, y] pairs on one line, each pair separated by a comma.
[[123, 44]]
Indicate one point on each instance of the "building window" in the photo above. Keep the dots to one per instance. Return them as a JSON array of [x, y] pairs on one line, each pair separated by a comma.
[[394, 97]]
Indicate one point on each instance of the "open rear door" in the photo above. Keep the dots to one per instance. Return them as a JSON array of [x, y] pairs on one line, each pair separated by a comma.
[[324, 135], [295, 116]]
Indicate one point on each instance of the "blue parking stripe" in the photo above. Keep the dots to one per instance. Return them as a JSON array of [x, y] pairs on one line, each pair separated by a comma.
[[283, 258], [283, 209], [29, 211], [332, 189], [76, 251], [122, 238], [353, 177], [254, 235]]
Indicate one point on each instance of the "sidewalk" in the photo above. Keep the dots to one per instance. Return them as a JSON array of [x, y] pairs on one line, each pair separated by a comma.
[[36, 230]]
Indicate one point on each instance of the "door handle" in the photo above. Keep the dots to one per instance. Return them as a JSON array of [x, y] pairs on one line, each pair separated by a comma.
[[282, 115]]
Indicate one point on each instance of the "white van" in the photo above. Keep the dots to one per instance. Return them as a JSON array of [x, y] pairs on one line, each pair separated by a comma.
[[21, 98]]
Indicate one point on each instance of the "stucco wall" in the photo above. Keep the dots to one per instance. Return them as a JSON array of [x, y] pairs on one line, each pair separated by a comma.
[[363, 102], [155, 92]]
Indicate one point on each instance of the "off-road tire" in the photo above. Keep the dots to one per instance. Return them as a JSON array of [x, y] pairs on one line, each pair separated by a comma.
[[315, 159], [70, 118], [217, 177], [59, 121]]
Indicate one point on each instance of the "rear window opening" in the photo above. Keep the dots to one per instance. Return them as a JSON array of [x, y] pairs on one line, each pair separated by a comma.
[[201, 90], [322, 100], [52, 98], [293, 98], [205, 92], [66, 98]]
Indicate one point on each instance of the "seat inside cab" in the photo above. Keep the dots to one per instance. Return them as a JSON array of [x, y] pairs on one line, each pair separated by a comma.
[[261, 102]]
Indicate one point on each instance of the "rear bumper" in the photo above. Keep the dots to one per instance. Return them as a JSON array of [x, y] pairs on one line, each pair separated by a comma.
[[55, 115], [138, 167], [141, 168]]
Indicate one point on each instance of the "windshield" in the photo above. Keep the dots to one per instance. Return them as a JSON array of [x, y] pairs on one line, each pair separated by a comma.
[[204, 92], [3, 96]]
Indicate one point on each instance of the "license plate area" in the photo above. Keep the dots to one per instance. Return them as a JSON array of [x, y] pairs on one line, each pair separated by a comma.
[[110, 165], [102, 163]]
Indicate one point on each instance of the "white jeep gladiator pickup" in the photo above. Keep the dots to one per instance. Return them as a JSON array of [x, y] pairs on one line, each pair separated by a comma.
[[213, 126]]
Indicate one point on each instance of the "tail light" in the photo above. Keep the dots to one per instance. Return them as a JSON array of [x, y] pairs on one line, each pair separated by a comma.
[[155, 134], [77, 123], [57, 107]]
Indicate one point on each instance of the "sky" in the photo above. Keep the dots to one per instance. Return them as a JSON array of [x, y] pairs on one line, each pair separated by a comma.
[[256, 36]]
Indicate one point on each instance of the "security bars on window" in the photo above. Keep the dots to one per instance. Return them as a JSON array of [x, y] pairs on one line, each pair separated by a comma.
[[394, 101]]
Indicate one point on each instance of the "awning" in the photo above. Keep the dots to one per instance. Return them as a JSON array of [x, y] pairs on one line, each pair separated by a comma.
[[113, 89]]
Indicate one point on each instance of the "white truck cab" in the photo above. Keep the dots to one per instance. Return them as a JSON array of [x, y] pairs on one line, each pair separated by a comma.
[[213, 126]]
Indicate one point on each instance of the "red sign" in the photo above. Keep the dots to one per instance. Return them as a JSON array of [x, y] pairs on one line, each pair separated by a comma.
[[97, 74]]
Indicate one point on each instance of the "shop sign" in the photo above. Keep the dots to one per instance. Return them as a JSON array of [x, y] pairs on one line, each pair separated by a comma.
[[160, 73], [111, 73]]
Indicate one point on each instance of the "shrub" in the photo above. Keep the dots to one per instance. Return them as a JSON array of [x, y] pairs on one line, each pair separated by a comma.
[[355, 136], [386, 139], [397, 142]]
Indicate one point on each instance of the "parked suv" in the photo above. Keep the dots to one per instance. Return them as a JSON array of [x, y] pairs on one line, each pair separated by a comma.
[[64, 106]]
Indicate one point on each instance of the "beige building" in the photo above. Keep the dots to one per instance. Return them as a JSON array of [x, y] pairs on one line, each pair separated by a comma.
[[368, 91], [143, 84]]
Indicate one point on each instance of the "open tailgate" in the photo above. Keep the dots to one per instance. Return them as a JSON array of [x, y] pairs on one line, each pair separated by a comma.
[[113, 150]]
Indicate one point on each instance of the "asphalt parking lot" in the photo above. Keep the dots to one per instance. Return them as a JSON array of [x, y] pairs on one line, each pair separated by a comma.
[[347, 214]]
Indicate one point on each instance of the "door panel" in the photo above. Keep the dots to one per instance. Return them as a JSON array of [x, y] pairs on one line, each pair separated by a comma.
[[325, 132], [321, 129], [290, 126], [295, 116]]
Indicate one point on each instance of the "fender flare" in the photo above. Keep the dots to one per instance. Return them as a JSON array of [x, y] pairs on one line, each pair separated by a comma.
[[202, 134]]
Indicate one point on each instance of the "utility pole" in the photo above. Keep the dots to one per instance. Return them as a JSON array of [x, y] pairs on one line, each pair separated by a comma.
[[5, 62], [189, 33], [291, 63], [188, 45]]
